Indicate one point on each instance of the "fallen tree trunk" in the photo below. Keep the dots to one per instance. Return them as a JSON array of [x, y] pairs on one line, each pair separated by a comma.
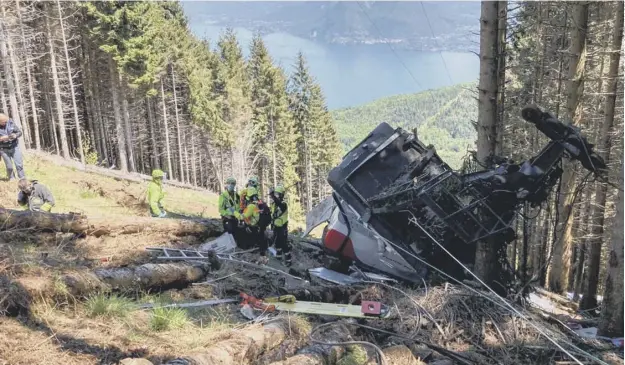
[[558, 299], [317, 354], [242, 348], [80, 224], [144, 277]]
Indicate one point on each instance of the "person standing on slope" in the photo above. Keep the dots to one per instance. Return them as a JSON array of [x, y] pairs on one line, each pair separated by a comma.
[[9, 147], [228, 208], [156, 194], [34, 196], [251, 217], [280, 224]]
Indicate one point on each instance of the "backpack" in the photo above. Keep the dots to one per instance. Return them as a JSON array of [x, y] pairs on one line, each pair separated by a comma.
[[265, 214]]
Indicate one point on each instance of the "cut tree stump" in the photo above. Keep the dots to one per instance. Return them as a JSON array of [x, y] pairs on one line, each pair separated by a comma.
[[80, 224], [242, 348], [317, 354], [400, 355]]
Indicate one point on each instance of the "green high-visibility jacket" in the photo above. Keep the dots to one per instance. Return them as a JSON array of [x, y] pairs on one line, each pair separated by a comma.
[[155, 197], [228, 204], [251, 215], [279, 214]]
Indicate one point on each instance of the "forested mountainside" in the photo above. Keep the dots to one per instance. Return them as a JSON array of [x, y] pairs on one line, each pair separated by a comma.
[[443, 117], [427, 26], [127, 85]]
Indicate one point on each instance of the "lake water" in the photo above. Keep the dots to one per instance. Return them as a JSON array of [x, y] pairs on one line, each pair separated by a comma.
[[357, 74]]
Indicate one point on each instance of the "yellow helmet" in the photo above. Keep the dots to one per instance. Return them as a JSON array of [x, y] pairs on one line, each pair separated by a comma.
[[279, 189], [157, 173]]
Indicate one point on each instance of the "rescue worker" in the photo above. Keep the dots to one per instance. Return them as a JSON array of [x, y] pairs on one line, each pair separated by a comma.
[[156, 194], [9, 147], [251, 218], [251, 182], [228, 206], [34, 196], [280, 223]]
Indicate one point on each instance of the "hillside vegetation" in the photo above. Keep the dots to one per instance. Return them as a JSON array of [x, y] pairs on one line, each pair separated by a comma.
[[444, 117]]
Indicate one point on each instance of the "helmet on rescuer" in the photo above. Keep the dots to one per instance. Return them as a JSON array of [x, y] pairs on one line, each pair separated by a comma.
[[158, 174]]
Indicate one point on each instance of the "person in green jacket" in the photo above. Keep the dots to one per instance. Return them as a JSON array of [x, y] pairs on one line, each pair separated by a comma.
[[280, 224], [251, 218], [229, 206], [156, 194]]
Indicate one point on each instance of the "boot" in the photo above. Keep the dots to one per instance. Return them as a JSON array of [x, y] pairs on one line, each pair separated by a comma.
[[287, 259]]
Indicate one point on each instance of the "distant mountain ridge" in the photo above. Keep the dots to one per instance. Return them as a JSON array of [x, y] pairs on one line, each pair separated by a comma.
[[403, 23], [443, 117]]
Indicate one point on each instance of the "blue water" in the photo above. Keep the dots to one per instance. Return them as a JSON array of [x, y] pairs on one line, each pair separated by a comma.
[[356, 74]]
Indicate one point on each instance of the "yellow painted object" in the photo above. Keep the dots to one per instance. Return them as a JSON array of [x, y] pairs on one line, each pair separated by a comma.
[[330, 309]]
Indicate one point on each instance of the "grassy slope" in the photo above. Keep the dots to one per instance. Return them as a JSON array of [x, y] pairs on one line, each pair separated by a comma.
[[443, 118], [95, 195]]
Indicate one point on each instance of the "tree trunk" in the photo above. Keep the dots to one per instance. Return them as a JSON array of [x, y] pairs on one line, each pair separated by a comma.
[[98, 227], [29, 78], [598, 214], [154, 156], [97, 101], [22, 120], [127, 129], [486, 261], [7, 67], [242, 348], [57, 93], [70, 78], [119, 128], [611, 323], [178, 129], [558, 276], [166, 130], [193, 158]]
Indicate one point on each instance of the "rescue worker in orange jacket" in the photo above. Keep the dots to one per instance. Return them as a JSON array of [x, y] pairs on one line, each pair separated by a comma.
[[251, 218]]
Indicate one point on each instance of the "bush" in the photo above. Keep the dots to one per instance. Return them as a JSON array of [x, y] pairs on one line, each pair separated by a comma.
[[109, 306], [164, 319]]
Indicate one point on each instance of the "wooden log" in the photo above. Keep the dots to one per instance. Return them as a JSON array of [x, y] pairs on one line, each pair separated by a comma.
[[317, 354], [242, 348], [80, 224], [82, 283], [400, 355], [558, 299]]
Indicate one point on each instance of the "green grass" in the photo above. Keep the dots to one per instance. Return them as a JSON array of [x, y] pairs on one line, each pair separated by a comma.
[[164, 319], [109, 306], [123, 198]]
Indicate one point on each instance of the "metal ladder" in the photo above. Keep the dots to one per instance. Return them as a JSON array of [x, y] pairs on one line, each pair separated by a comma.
[[178, 254]]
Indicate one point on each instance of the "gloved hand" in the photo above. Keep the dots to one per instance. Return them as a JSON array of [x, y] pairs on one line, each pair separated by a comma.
[[46, 207], [163, 214]]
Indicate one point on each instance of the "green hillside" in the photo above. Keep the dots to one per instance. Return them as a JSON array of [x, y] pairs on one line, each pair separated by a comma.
[[444, 117]]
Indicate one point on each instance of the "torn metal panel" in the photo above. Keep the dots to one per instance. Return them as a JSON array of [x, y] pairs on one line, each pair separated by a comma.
[[319, 214], [222, 244], [333, 276]]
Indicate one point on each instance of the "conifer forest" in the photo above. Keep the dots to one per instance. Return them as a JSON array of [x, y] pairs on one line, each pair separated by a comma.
[[126, 85]]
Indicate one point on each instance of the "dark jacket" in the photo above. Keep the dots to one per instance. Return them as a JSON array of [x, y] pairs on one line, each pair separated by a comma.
[[8, 129], [36, 200]]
